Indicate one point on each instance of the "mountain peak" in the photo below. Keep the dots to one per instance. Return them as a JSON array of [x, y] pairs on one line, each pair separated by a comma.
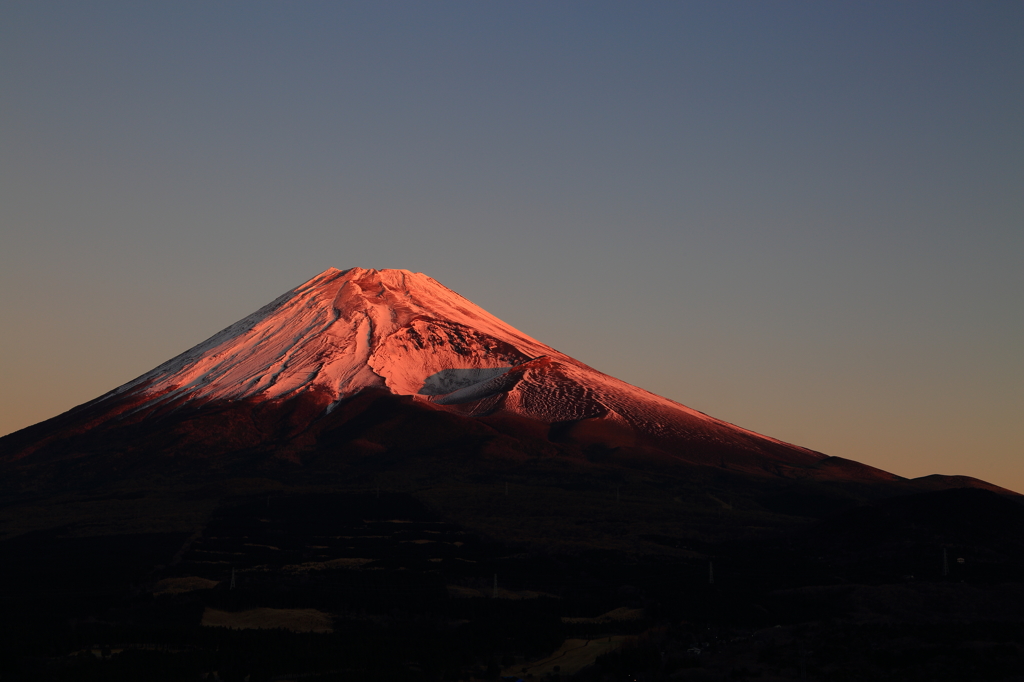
[[340, 332], [373, 282]]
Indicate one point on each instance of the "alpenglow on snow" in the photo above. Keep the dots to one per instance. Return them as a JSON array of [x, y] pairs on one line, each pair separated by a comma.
[[346, 331]]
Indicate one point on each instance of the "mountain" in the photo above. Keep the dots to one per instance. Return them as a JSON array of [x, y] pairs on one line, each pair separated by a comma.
[[366, 370], [346, 332]]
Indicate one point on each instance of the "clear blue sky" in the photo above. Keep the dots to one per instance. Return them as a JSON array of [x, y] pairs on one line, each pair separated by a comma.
[[803, 218]]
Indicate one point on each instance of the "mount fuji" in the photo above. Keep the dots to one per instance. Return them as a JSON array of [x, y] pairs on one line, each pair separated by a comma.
[[311, 378]]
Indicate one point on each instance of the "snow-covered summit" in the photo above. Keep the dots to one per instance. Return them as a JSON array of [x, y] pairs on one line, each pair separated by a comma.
[[344, 331]]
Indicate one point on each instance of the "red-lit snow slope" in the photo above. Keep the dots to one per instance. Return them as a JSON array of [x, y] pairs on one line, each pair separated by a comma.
[[346, 331]]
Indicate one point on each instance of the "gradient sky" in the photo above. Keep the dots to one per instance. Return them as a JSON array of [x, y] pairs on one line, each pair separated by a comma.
[[803, 218]]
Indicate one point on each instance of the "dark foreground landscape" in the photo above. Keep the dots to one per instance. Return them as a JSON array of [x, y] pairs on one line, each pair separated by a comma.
[[371, 584]]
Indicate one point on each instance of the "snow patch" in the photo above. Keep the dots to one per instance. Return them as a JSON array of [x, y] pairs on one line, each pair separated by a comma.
[[449, 380]]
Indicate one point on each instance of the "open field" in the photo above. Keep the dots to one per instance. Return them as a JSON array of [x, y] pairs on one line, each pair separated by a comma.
[[184, 584], [294, 620], [620, 614], [574, 655]]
